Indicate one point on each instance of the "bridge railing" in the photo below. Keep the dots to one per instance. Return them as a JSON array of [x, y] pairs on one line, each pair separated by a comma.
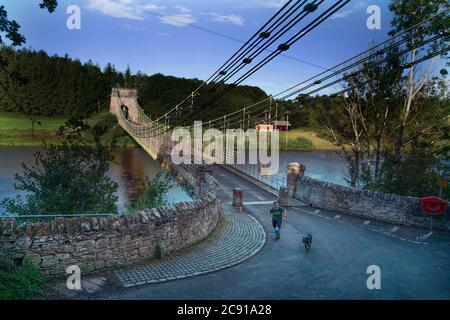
[[155, 139]]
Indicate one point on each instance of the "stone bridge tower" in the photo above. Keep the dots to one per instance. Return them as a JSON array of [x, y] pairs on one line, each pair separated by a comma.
[[124, 97]]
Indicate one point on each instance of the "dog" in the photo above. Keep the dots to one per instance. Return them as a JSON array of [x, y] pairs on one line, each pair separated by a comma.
[[307, 241]]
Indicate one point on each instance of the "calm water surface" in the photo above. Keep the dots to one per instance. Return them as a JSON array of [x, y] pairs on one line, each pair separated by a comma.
[[132, 165]]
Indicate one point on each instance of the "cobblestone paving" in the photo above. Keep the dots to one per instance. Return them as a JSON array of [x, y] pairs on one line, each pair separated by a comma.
[[239, 237]]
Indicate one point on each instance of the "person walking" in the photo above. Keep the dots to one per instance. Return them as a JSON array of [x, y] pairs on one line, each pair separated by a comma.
[[278, 216]]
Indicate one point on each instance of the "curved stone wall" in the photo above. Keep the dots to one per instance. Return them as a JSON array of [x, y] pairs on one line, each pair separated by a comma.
[[98, 243]]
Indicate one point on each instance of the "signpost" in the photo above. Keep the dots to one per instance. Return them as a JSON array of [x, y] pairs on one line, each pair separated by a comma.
[[442, 183]]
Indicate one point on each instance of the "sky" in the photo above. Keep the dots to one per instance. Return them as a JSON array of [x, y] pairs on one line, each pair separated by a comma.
[[193, 38]]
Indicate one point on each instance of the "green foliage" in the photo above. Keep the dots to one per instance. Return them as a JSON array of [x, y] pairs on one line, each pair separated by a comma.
[[414, 175], [159, 93], [11, 28], [155, 193], [68, 178], [408, 13], [51, 86], [50, 5], [297, 144], [61, 86], [22, 282], [366, 121]]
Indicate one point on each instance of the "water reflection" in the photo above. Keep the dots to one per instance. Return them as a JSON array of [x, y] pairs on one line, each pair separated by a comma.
[[129, 170]]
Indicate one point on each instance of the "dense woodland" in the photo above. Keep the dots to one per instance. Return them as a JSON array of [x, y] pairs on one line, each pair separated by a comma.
[[38, 84]]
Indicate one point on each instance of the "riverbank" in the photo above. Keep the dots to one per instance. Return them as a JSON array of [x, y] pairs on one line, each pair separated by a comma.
[[17, 130]]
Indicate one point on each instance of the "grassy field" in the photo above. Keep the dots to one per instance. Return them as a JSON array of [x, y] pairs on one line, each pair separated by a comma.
[[16, 130], [298, 140]]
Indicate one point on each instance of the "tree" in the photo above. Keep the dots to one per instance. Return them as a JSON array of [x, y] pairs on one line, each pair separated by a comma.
[[407, 14], [68, 178], [128, 78], [11, 30]]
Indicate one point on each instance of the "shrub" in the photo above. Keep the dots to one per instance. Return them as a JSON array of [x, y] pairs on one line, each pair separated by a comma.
[[22, 282], [68, 178], [155, 193]]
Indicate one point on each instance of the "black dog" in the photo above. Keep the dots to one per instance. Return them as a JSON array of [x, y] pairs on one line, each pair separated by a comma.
[[307, 241]]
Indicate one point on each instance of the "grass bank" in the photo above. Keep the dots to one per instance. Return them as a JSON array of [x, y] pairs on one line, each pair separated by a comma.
[[304, 139], [17, 130]]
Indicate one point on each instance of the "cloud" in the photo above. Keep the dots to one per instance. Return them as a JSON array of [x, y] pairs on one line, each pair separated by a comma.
[[129, 9], [183, 9], [346, 13], [231, 18], [342, 14], [183, 18], [270, 4]]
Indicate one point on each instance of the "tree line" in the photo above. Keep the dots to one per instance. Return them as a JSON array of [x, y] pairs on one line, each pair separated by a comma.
[[35, 83]]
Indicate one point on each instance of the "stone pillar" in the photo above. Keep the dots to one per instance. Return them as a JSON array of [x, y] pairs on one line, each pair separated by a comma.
[[238, 198], [113, 105], [295, 170]]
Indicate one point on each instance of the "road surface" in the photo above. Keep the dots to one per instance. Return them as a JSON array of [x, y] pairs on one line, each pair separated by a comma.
[[414, 263]]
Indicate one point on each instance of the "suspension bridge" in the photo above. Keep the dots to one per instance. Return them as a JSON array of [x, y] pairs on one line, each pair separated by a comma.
[[153, 132], [345, 245]]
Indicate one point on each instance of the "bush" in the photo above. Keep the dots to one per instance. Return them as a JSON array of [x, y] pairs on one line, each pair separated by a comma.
[[68, 178], [22, 282], [155, 193]]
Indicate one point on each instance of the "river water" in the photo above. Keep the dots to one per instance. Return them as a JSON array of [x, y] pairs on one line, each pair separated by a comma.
[[129, 170], [132, 165]]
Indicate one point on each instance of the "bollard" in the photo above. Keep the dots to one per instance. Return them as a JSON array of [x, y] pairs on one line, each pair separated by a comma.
[[160, 251], [283, 196], [238, 199]]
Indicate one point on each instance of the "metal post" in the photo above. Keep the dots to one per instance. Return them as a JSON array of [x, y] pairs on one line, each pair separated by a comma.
[[270, 109]]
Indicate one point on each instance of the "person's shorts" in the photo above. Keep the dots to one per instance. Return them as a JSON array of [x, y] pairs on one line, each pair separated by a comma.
[[276, 223]]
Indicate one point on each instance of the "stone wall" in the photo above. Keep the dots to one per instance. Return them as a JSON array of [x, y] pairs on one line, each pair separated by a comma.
[[98, 243], [364, 203]]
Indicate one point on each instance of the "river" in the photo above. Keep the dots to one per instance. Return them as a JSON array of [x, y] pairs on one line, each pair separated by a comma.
[[129, 170], [132, 165]]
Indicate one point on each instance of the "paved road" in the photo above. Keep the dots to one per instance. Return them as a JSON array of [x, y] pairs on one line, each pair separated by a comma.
[[343, 248]]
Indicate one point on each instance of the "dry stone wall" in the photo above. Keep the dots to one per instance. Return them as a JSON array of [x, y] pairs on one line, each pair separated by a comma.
[[96, 243], [365, 203]]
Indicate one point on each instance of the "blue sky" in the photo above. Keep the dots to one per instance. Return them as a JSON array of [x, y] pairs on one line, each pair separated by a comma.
[[158, 35]]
